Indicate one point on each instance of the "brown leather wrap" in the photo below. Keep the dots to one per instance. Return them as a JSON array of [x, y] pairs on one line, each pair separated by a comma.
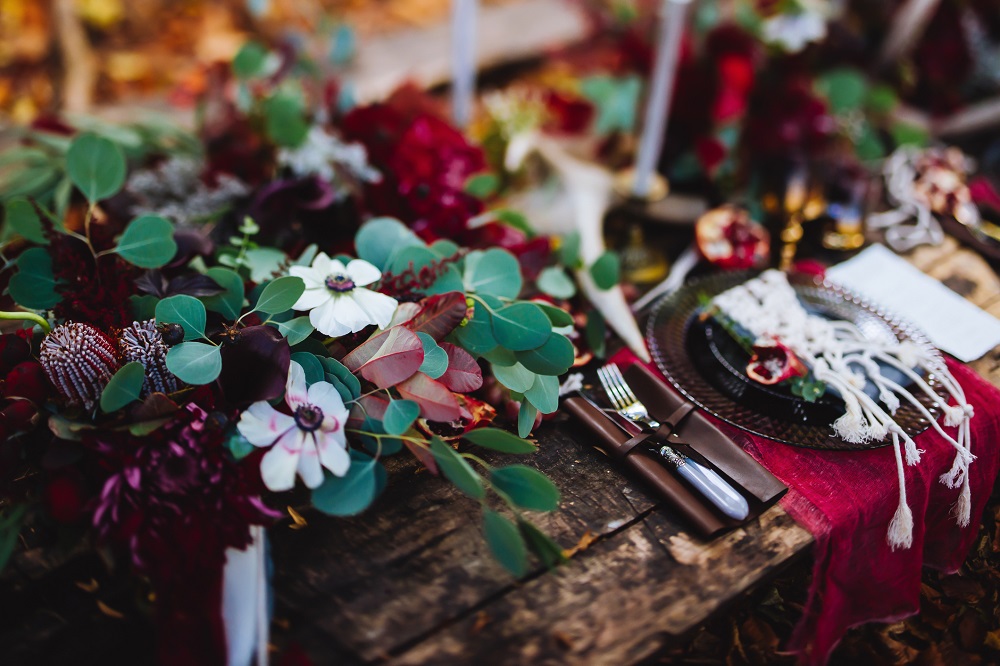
[[615, 442]]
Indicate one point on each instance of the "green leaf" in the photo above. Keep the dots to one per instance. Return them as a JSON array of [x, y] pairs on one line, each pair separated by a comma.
[[148, 242], [249, 60], [280, 295], [435, 361], [515, 377], [21, 217], [844, 88], [352, 493], [547, 550], [195, 363], [881, 99], [124, 387], [526, 418], [296, 330], [482, 185], [544, 393], [555, 357], [399, 416], [808, 388], [34, 286], [904, 134], [185, 310], [143, 307], [526, 487], [495, 272], [264, 262], [339, 370], [606, 270], [554, 282], [616, 100], [557, 316], [284, 119], [380, 238], [238, 445], [345, 393], [10, 527], [230, 302], [505, 542], [596, 332], [514, 219], [311, 366], [499, 440], [96, 166], [569, 250], [868, 144], [456, 470], [476, 336], [521, 326]]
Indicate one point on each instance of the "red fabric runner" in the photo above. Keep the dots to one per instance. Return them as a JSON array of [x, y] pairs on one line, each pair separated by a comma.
[[846, 500]]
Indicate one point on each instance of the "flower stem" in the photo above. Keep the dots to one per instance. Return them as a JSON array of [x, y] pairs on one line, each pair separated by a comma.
[[26, 316]]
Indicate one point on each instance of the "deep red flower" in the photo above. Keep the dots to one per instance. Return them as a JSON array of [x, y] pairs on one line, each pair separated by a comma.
[[786, 118], [27, 380], [13, 350], [92, 291], [567, 115]]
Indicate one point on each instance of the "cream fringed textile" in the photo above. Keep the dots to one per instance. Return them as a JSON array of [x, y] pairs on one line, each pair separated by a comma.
[[839, 354]]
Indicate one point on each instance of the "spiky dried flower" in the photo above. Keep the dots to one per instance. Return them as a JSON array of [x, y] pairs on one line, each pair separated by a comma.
[[142, 343], [79, 360]]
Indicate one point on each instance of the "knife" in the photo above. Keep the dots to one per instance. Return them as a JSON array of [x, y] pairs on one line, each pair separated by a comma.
[[704, 479]]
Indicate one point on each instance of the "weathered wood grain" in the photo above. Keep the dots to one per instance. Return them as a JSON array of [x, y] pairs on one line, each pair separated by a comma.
[[966, 273]]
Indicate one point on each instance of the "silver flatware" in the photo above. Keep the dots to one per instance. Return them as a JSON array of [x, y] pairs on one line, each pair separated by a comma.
[[707, 481]]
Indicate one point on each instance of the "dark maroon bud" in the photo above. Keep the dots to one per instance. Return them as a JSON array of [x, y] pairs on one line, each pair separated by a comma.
[[172, 334]]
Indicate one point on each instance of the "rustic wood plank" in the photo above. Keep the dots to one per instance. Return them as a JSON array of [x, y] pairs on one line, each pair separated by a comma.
[[967, 274], [926, 256], [622, 600]]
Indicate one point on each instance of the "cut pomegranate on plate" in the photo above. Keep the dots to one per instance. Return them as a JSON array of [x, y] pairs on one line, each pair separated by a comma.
[[773, 362], [729, 239]]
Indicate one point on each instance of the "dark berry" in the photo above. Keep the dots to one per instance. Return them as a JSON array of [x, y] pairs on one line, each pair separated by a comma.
[[172, 334]]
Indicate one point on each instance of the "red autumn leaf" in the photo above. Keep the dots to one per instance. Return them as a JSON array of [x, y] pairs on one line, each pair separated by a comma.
[[387, 358], [440, 315], [436, 402], [463, 373], [423, 455]]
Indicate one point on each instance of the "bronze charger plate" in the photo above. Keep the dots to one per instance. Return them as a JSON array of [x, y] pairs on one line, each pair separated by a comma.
[[708, 367]]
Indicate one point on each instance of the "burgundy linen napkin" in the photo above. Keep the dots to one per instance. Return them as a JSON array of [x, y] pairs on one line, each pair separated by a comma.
[[846, 500]]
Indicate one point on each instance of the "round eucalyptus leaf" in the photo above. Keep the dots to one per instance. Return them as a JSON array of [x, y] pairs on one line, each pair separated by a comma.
[[185, 310], [194, 362], [495, 272], [352, 493], [124, 387], [521, 326], [555, 357], [280, 295], [399, 416], [554, 282], [147, 242], [96, 166], [230, 302]]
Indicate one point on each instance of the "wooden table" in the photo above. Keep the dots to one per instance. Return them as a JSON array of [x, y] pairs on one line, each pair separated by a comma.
[[411, 581]]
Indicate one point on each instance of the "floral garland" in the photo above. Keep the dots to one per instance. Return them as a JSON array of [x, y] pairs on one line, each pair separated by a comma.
[[204, 332]]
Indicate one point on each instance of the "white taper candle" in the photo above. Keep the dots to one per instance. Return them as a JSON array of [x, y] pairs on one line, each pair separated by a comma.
[[672, 19], [463, 60]]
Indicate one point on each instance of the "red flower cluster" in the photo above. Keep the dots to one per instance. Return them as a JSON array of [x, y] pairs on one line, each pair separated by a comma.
[[94, 291], [424, 163]]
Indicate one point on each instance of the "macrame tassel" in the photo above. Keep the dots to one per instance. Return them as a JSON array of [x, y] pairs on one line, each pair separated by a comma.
[[963, 507], [900, 534]]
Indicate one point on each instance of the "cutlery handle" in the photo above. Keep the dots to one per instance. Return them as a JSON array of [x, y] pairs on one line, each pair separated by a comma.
[[708, 483]]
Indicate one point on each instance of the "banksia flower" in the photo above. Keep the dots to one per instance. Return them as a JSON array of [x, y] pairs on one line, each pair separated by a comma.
[[79, 361], [143, 343]]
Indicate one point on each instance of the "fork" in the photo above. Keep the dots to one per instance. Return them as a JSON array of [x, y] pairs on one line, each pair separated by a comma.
[[706, 480], [622, 398]]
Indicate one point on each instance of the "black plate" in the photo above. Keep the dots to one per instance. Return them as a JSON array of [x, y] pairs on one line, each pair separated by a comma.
[[699, 359]]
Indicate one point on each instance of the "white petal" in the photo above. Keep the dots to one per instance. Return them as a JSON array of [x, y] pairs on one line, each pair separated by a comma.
[[277, 467], [349, 312], [333, 455], [309, 466], [262, 424], [337, 267], [362, 272], [313, 278], [295, 387], [379, 307], [325, 321], [325, 396], [321, 264], [312, 298]]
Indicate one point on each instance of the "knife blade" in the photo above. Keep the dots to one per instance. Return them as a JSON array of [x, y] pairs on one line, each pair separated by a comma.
[[704, 479]]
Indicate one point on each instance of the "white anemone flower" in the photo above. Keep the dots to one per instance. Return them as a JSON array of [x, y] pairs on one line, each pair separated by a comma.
[[305, 442], [337, 299], [792, 32]]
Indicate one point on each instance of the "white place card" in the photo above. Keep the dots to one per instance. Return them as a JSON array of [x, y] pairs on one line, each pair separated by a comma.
[[952, 323]]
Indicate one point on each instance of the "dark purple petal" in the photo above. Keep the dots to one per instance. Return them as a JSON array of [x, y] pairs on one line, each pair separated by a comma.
[[255, 367]]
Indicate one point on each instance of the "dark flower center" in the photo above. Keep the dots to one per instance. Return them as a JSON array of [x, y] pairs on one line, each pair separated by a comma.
[[339, 283], [308, 417]]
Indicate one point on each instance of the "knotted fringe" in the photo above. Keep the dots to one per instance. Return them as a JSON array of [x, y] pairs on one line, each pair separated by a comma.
[[900, 534], [839, 355]]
